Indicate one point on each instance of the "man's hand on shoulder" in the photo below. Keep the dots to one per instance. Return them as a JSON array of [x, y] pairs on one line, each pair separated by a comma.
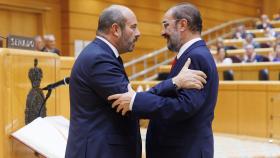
[[122, 101], [189, 79]]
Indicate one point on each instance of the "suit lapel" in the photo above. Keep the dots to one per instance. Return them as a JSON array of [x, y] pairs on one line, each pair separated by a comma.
[[109, 50], [182, 60]]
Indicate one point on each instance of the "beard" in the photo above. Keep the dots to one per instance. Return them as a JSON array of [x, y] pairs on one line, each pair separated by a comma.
[[128, 43], [173, 42]]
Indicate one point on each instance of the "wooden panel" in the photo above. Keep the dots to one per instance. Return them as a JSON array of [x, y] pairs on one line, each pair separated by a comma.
[[16, 86], [226, 113], [83, 16], [228, 6], [252, 111], [2, 107], [64, 100], [30, 18], [274, 114]]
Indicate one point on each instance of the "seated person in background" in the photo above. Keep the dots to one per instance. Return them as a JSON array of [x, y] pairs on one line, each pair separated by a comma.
[[220, 43], [269, 32], [275, 57], [240, 32], [39, 43], [249, 40], [50, 44], [264, 22], [276, 17], [250, 55], [221, 56], [277, 38]]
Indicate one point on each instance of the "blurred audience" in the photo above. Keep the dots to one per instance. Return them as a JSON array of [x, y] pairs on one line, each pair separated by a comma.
[[276, 54], [276, 17], [264, 22], [250, 55], [221, 56], [49, 41], [277, 38], [39, 43], [269, 32], [249, 40], [240, 32]]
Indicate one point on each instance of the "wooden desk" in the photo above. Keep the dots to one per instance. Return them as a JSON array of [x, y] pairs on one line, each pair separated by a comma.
[[244, 107], [243, 71], [15, 86], [239, 42], [240, 52], [260, 32]]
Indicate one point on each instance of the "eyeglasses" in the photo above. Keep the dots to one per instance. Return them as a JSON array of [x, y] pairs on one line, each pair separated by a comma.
[[165, 24]]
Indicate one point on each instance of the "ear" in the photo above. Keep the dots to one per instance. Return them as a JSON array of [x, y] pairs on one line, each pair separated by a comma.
[[183, 24], [116, 30]]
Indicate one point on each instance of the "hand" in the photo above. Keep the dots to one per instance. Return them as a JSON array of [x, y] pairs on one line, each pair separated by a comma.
[[122, 101], [188, 79]]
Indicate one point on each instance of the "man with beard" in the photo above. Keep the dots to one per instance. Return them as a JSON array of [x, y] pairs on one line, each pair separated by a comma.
[[96, 130], [180, 121]]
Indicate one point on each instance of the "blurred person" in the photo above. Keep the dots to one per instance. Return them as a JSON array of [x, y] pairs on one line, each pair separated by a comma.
[[221, 57], [269, 32], [277, 38], [39, 43], [240, 32], [49, 41], [250, 55], [264, 22], [276, 17], [249, 40], [276, 54]]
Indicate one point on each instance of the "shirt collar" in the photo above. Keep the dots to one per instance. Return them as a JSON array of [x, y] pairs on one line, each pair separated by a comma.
[[186, 46], [114, 49]]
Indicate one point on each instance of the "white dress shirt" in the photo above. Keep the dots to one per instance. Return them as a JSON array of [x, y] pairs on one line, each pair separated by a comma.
[[181, 51], [114, 49]]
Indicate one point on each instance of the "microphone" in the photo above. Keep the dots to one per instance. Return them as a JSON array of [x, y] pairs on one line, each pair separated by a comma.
[[65, 81]]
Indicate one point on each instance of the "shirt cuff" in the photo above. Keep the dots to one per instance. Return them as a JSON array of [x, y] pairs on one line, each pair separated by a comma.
[[131, 102]]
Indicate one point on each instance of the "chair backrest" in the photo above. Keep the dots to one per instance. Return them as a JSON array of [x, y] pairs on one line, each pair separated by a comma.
[[263, 75], [228, 75]]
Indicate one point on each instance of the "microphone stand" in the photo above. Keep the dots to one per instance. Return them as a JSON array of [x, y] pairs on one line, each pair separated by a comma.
[[45, 100]]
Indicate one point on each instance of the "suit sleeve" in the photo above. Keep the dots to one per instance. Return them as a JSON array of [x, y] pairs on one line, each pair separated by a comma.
[[183, 106], [164, 88], [173, 107], [107, 78]]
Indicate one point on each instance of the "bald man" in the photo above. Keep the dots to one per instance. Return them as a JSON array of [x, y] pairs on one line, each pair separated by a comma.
[[97, 130]]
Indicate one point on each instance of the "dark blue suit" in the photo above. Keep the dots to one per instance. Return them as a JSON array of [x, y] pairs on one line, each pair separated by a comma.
[[97, 130], [181, 120]]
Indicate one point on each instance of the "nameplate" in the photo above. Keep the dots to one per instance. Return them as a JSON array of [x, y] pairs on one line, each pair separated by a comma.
[[20, 42]]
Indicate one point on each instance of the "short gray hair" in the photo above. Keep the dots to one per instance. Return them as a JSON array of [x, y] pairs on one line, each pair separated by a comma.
[[110, 16], [190, 13]]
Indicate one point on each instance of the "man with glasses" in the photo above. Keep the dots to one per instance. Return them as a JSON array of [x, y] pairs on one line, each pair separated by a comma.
[[180, 120], [97, 130]]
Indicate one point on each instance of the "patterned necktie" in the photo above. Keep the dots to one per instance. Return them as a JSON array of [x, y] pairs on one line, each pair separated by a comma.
[[121, 61], [173, 62]]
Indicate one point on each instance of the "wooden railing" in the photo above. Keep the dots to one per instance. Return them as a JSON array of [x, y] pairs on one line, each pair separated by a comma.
[[150, 63]]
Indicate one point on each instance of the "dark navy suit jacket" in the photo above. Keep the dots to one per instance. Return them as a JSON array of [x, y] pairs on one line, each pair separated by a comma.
[[97, 130], [181, 120]]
